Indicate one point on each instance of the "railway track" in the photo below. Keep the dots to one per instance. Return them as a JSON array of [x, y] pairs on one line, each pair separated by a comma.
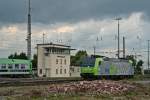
[[31, 81]]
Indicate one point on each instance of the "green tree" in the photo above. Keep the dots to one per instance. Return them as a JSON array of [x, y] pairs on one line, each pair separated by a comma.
[[137, 65], [22, 55], [11, 56], [34, 61], [131, 57], [76, 60], [138, 69]]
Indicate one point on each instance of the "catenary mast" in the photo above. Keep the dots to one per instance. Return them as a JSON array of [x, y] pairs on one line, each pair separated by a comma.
[[29, 31], [118, 19]]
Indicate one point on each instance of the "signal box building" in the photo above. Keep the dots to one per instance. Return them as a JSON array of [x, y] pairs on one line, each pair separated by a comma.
[[53, 60]]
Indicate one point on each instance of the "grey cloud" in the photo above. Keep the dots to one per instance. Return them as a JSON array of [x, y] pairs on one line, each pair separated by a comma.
[[53, 11]]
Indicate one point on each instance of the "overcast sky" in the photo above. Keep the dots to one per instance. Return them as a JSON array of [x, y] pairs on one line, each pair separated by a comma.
[[76, 22]]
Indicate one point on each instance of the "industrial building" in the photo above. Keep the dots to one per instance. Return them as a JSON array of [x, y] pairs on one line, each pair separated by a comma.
[[53, 60]]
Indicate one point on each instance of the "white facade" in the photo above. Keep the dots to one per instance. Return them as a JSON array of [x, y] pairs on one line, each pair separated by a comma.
[[53, 60], [75, 71]]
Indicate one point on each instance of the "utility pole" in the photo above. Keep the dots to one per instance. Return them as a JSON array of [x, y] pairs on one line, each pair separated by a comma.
[[118, 19], [29, 32], [148, 53], [43, 38], [124, 47], [94, 47]]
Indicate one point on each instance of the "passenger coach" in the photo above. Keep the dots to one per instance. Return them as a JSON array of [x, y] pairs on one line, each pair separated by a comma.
[[15, 67]]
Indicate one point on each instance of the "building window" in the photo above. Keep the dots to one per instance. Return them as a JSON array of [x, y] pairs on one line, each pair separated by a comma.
[[60, 61], [72, 69], [46, 54], [78, 69], [56, 71], [65, 61], [60, 71], [56, 61], [65, 71], [16, 66], [10, 66], [40, 71]]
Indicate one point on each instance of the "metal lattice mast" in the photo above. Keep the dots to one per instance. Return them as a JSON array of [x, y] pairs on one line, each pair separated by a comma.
[[118, 19], [124, 56], [29, 32]]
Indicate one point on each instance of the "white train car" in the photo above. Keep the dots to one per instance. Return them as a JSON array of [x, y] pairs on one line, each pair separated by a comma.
[[15, 67]]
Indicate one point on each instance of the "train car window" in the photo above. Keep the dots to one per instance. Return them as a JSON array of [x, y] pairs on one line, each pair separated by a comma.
[[16, 66], [10, 66], [3, 66], [22, 66]]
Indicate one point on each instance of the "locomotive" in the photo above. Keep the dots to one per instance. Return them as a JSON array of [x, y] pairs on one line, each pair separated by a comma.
[[96, 67]]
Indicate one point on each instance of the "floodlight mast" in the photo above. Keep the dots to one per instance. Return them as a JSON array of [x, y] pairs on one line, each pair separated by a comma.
[[118, 19], [29, 31]]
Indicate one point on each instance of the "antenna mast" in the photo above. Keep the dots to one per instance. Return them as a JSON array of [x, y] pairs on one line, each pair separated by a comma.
[[29, 32]]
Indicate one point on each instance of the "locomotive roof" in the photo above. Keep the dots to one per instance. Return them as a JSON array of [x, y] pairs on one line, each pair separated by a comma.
[[115, 59], [13, 61], [88, 58]]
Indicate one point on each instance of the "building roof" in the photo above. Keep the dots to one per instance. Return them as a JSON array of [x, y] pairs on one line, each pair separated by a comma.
[[13, 61], [46, 45], [54, 44]]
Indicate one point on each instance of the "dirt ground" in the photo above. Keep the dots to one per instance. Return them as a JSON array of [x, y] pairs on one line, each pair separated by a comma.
[[43, 92]]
